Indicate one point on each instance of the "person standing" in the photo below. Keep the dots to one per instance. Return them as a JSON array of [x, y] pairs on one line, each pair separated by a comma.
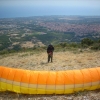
[[50, 50]]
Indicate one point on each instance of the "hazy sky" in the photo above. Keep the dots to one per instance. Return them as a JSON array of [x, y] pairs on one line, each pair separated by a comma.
[[24, 8]]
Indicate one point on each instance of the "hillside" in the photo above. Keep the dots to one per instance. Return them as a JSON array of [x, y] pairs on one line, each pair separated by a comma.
[[68, 60], [61, 61], [38, 31]]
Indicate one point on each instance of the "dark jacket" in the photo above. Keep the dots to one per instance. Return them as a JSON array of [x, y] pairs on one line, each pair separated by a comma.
[[50, 49]]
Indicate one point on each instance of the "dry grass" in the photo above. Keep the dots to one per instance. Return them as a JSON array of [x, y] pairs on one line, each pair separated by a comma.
[[61, 61]]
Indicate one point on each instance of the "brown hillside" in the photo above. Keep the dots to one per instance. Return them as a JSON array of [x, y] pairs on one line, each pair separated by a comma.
[[62, 61]]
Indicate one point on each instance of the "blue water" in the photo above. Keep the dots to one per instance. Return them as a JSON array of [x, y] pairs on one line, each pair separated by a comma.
[[12, 12]]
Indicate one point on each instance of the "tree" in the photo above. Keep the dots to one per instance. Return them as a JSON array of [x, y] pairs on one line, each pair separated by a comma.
[[17, 47]]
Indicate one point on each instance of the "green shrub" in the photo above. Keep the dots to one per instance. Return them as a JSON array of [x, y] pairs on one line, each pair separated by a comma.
[[86, 42], [96, 46], [17, 47], [63, 45]]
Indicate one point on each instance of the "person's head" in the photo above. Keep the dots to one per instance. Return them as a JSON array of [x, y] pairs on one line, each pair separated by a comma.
[[50, 44]]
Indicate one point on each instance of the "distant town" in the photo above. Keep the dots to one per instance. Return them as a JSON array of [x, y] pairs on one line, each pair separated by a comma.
[[29, 32]]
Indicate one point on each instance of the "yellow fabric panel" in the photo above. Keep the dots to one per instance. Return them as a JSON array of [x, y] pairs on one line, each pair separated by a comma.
[[32, 91], [9, 87], [16, 89], [50, 92], [93, 87], [98, 86], [78, 89], [69, 91], [59, 91], [40, 91], [3, 86], [24, 90]]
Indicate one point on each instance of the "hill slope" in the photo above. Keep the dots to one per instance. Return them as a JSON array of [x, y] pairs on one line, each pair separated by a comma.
[[62, 61]]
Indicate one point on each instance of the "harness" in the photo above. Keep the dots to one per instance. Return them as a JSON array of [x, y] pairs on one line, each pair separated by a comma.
[[50, 53]]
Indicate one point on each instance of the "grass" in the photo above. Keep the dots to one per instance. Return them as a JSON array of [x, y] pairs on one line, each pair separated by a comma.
[[62, 60]]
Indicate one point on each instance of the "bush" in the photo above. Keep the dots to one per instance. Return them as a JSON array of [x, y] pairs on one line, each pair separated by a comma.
[[86, 42], [17, 48], [74, 45], [63, 45], [96, 46]]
